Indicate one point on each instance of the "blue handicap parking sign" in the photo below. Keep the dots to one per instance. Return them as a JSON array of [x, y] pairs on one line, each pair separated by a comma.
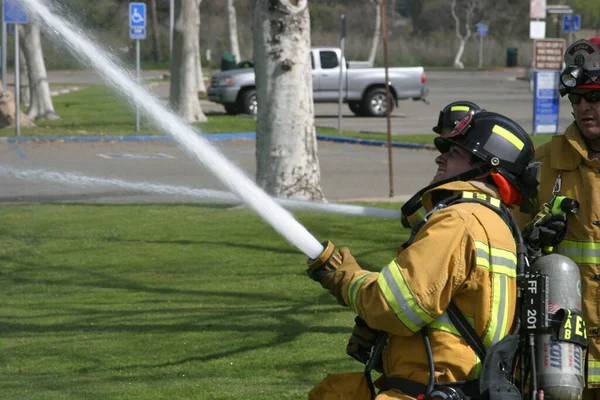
[[14, 12], [571, 23], [482, 29], [137, 15]]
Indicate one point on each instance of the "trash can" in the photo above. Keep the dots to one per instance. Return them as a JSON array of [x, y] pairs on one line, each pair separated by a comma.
[[512, 56], [227, 61]]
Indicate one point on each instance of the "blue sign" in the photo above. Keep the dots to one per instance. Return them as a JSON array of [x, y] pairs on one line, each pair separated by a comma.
[[571, 23], [545, 102], [14, 12], [482, 29], [137, 33], [137, 15]]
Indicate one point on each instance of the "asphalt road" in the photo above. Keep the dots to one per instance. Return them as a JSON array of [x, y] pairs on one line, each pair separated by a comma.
[[349, 172]]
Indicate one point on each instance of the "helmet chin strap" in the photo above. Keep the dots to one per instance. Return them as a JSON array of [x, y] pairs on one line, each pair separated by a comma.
[[414, 203]]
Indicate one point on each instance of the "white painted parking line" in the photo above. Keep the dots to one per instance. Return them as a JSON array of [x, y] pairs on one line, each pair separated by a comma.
[[134, 156]]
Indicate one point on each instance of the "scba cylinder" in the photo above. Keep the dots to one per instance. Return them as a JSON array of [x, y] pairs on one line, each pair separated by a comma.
[[559, 363]]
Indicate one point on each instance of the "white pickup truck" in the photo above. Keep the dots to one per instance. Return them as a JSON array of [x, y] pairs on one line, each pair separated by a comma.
[[363, 88]]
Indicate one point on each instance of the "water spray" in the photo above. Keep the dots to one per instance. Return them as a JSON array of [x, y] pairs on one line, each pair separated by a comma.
[[187, 137], [74, 179]]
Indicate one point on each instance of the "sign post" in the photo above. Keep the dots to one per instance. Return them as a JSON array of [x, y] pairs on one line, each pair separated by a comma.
[[14, 13], [137, 32], [547, 63], [342, 69], [571, 23], [482, 30]]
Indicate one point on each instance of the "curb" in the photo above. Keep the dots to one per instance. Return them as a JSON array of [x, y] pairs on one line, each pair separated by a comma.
[[210, 137], [374, 142]]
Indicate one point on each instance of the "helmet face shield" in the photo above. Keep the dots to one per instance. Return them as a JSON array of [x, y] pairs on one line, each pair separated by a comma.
[[453, 113]]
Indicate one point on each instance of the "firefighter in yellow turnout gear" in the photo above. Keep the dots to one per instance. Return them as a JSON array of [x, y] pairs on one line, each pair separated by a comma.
[[463, 256], [571, 167]]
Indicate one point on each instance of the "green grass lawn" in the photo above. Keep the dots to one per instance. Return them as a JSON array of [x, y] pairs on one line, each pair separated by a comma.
[[170, 302], [98, 110]]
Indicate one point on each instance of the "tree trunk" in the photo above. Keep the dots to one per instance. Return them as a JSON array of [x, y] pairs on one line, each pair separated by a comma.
[[376, 34], [457, 59], [286, 145], [184, 65], [233, 34], [200, 76], [155, 31], [41, 106], [468, 11]]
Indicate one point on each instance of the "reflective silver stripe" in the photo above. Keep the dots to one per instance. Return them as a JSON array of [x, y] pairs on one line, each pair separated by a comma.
[[498, 320], [593, 371], [580, 252], [501, 265], [502, 261], [593, 375], [400, 298]]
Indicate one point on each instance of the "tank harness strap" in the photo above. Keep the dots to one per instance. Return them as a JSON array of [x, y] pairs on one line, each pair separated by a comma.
[[466, 330], [376, 352]]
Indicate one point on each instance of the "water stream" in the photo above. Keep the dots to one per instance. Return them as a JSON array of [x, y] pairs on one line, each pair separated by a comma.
[[189, 138], [79, 180]]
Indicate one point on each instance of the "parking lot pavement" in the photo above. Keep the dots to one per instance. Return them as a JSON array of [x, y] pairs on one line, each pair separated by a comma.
[[348, 172]]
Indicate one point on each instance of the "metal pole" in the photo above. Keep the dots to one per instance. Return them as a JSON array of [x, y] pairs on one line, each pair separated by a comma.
[[388, 96], [342, 68], [570, 38], [137, 68], [4, 48], [17, 83], [171, 28], [480, 51]]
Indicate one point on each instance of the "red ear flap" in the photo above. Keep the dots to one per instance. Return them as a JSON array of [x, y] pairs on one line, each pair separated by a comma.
[[508, 193]]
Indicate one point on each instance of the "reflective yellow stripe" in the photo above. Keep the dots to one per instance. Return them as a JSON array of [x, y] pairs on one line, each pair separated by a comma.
[[483, 197], [498, 322], [498, 130], [502, 261], [353, 289], [580, 252], [399, 297], [459, 108], [593, 371]]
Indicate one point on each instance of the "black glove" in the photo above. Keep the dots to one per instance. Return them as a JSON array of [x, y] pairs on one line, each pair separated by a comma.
[[361, 342], [546, 233]]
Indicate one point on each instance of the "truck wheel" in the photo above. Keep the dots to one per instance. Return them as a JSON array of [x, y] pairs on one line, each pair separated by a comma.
[[249, 102], [231, 109], [356, 108], [375, 103]]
